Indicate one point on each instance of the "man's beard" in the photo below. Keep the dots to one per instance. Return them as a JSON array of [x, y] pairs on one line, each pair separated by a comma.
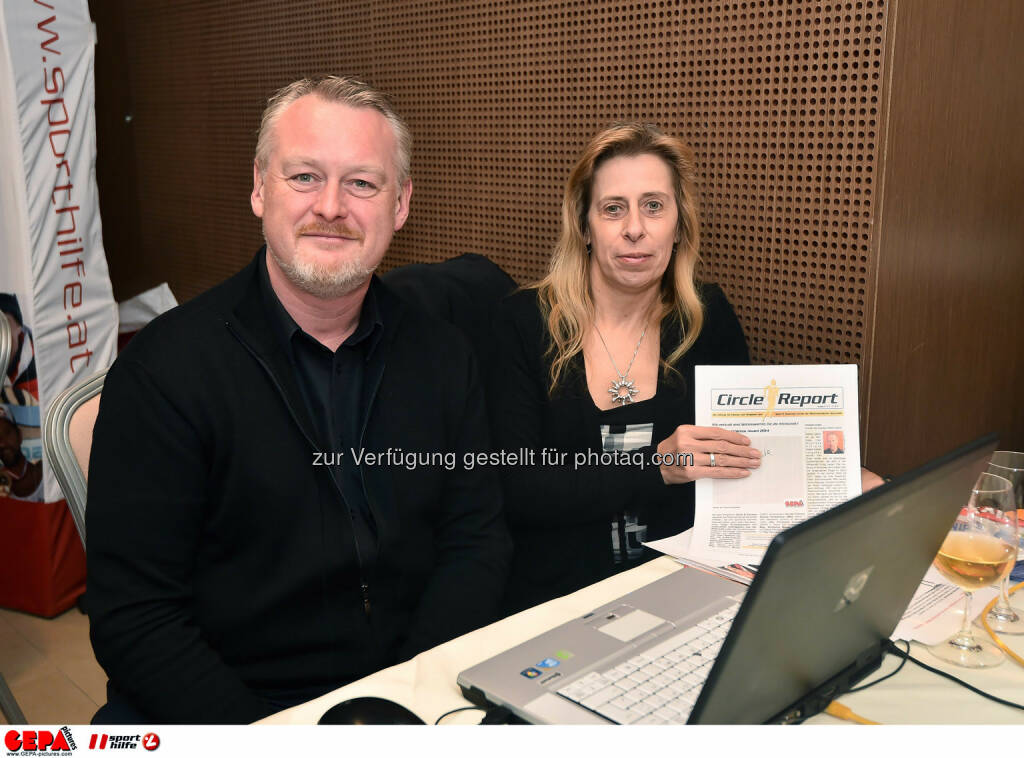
[[326, 282]]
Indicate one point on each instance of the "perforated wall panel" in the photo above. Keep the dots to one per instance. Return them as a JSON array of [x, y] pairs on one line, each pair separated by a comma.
[[779, 99]]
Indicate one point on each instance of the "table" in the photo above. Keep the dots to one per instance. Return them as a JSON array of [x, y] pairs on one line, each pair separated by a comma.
[[426, 684]]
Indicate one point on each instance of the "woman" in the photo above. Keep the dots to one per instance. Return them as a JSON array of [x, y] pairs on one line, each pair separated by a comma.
[[599, 356]]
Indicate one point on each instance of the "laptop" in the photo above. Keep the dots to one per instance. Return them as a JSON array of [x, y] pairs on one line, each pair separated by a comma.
[[697, 648]]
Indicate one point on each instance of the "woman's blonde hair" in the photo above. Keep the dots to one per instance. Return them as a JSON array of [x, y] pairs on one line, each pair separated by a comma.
[[564, 294]]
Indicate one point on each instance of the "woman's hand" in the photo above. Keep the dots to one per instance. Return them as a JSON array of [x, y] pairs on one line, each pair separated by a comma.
[[733, 455], [869, 480]]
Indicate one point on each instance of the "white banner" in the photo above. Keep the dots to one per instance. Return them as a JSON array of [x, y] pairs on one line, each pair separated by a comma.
[[54, 285]]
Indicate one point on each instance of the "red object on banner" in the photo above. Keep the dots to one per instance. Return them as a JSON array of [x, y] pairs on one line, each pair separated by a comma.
[[42, 562]]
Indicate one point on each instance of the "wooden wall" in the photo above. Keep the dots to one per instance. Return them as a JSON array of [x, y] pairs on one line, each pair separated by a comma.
[[947, 361], [787, 104]]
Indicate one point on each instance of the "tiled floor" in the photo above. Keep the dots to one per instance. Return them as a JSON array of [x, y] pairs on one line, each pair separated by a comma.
[[50, 667]]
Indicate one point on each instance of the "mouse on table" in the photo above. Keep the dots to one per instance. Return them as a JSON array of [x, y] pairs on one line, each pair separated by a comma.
[[369, 710]]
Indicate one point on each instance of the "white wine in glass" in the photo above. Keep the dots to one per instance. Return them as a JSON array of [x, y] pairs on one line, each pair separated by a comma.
[[979, 550], [1004, 617], [974, 561]]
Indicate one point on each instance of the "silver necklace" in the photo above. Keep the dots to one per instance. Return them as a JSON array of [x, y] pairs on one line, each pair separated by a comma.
[[623, 389]]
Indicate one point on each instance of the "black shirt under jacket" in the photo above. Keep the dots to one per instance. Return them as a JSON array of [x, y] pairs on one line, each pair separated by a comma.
[[336, 395], [224, 579]]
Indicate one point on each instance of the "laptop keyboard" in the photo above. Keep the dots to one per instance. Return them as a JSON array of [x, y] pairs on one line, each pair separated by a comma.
[[659, 685]]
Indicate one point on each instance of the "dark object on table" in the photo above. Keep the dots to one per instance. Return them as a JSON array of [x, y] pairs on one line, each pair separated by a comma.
[[369, 710]]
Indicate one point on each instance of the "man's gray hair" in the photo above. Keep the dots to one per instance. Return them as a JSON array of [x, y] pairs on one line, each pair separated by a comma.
[[335, 89]]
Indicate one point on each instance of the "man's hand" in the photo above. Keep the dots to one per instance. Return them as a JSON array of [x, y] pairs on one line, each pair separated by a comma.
[[733, 455]]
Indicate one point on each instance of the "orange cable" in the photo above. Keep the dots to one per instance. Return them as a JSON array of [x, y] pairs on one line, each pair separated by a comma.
[[840, 711], [992, 634]]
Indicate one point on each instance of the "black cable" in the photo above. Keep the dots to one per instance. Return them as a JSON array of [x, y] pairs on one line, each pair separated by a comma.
[[950, 677], [894, 672], [499, 715], [456, 710]]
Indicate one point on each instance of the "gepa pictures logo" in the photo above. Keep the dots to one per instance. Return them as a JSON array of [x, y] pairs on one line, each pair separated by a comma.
[[20, 741]]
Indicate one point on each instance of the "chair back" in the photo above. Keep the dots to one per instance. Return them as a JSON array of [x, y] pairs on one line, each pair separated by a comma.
[[6, 348], [9, 706], [67, 441]]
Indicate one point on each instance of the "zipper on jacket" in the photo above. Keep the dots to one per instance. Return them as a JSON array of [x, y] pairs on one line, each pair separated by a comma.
[[364, 587], [362, 445], [366, 598]]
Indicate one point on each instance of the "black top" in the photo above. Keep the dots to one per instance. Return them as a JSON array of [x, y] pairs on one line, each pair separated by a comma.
[[573, 520], [336, 396], [224, 578]]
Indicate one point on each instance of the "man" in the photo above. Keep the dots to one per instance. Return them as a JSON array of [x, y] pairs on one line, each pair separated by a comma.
[[244, 554], [833, 444]]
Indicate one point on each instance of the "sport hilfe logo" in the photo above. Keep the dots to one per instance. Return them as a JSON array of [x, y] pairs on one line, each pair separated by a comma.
[[149, 741], [19, 741], [114, 741]]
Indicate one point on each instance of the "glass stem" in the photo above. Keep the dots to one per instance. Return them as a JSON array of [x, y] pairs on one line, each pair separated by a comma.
[[1002, 609], [1004, 594], [964, 637]]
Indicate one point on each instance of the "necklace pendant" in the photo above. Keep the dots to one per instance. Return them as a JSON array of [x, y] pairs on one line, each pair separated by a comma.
[[622, 391]]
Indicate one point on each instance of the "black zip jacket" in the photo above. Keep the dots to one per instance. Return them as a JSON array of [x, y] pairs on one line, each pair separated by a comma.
[[224, 579]]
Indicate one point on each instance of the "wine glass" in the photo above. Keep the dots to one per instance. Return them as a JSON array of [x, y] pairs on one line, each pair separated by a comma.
[[1003, 617], [979, 550]]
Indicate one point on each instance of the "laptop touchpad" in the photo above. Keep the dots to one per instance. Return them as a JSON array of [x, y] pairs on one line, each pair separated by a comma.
[[628, 626]]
